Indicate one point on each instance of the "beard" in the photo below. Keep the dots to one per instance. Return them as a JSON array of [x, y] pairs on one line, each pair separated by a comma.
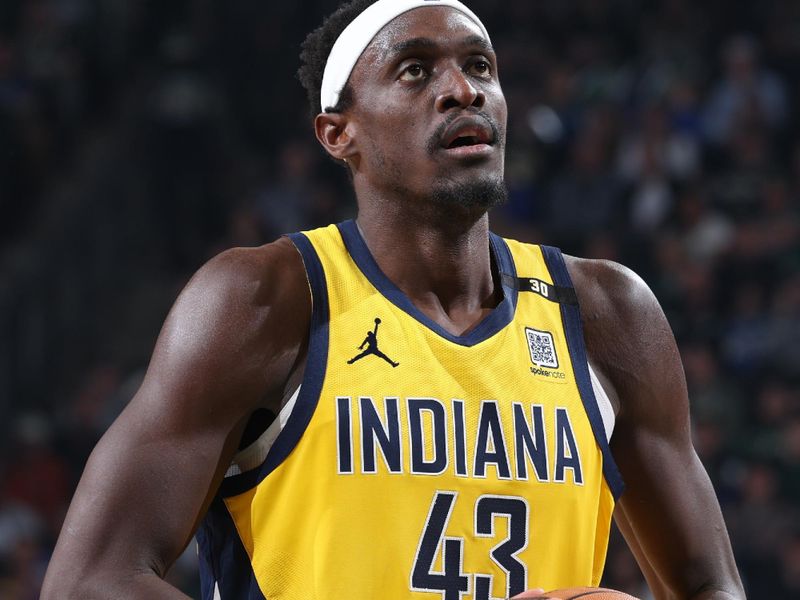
[[480, 195], [447, 198], [447, 195]]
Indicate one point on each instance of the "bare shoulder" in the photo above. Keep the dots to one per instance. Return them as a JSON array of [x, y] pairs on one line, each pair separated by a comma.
[[628, 337], [611, 295], [264, 286], [241, 321], [257, 277]]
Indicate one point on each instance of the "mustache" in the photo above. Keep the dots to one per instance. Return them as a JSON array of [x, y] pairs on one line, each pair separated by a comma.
[[436, 137]]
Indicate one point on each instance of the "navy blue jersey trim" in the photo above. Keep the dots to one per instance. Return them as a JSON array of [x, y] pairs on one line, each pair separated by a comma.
[[573, 327], [223, 560], [496, 320], [313, 378]]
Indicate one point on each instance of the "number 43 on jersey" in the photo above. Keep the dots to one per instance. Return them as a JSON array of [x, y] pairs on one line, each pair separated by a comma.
[[451, 582]]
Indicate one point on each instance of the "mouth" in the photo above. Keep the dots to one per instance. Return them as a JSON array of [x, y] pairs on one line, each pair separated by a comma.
[[467, 140], [468, 136]]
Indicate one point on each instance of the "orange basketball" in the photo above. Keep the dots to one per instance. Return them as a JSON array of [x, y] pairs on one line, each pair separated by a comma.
[[589, 593]]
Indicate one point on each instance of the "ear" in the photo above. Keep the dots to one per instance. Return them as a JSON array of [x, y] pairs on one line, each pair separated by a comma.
[[334, 132]]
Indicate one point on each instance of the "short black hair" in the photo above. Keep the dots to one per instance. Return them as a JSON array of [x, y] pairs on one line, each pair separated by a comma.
[[315, 51]]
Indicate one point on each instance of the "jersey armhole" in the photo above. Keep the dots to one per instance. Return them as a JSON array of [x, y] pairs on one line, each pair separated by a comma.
[[262, 457], [252, 456], [604, 404]]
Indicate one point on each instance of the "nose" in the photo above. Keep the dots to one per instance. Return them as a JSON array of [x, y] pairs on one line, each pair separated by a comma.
[[457, 91]]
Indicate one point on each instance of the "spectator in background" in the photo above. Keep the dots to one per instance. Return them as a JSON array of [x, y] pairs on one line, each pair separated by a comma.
[[641, 164], [656, 142], [759, 526], [285, 199], [37, 476], [770, 410], [784, 327], [748, 93], [778, 221], [586, 197], [186, 155], [789, 452], [744, 337], [790, 567], [23, 557], [705, 233], [714, 398], [34, 494]]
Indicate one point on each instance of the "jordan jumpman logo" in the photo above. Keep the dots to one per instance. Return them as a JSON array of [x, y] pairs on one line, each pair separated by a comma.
[[371, 342]]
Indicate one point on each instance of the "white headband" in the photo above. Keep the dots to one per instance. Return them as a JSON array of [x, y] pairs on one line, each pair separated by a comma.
[[357, 36]]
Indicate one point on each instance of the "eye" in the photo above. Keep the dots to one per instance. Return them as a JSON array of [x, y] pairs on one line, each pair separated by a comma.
[[413, 72], [480, 68]]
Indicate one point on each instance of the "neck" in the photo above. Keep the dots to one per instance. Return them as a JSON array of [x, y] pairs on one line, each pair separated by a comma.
[[442, 262]]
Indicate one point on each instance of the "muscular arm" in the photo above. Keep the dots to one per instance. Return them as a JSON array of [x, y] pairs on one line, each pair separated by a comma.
[[228, 347], [669, 513]]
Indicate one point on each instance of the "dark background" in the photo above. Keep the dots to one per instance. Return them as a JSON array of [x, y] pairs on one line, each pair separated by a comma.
[[138, 139]]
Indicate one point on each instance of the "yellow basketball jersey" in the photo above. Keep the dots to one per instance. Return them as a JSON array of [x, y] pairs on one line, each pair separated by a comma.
[[414, 464]]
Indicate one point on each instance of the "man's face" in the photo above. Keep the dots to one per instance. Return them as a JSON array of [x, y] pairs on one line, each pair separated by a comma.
[[429, 114]]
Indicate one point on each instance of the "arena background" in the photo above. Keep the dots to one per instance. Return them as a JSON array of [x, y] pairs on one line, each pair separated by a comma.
[[138, 139]]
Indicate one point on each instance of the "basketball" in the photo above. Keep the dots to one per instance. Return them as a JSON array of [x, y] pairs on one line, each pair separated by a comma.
[[589, 593]]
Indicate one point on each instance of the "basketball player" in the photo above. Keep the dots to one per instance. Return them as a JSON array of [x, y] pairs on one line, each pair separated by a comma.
[[478, 453]]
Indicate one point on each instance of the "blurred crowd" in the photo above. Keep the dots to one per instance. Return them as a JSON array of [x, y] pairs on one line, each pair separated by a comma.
[[139, 139]]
